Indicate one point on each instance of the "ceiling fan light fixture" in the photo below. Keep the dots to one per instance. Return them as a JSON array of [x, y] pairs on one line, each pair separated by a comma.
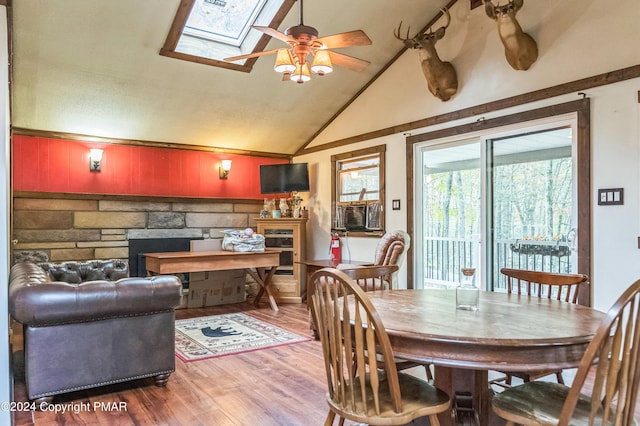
[[284, 62], [321, 63], [301, 73], [302, 41]]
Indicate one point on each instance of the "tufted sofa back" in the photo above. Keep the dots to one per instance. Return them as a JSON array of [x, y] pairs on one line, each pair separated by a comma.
[[86, 324], [92, 270]]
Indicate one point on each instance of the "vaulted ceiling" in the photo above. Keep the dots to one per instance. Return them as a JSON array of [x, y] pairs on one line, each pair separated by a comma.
[[92, 67]]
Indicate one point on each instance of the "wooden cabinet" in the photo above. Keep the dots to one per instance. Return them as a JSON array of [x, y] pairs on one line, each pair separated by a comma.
[[290, 236]]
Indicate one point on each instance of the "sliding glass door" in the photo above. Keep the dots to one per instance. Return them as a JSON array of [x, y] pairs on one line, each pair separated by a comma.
[[531, 217], [505, 199], [450, 219]]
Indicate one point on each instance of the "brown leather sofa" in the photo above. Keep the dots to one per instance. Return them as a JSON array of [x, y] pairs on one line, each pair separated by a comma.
[[98, 328]]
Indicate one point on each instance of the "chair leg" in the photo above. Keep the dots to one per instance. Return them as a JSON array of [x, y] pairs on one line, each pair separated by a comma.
[[329, 420], [427, 369], [434, 420], [559, 377]]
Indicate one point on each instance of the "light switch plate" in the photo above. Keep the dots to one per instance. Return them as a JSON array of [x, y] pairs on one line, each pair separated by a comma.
[[611, 196]]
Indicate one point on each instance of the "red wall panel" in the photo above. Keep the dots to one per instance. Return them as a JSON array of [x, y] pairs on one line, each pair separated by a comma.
[[59, 165]]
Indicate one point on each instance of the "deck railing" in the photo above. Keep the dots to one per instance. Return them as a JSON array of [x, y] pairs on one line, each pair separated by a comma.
[[443, 258]]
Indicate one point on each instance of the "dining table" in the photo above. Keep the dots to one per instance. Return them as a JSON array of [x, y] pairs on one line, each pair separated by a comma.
[[507, 333]]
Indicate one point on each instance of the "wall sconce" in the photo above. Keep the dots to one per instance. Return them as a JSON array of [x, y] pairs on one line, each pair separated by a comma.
[[224, 169], [95, 158]]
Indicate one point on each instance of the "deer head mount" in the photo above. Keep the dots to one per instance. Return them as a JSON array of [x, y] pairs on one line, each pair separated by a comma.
[[442, 79], [520, 48]]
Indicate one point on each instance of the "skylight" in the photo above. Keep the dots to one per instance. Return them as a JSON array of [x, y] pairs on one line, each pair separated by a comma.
[[223, 21], [207, 31]]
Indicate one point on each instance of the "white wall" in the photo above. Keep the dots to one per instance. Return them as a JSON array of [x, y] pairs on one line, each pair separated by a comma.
[[5, 381], [576, 39]]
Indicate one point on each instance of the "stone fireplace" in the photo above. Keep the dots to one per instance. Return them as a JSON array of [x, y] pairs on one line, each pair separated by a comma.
[[65, 227], [138, 247]]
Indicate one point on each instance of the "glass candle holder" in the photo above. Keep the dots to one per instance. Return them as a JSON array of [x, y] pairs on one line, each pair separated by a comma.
[[467, 293]]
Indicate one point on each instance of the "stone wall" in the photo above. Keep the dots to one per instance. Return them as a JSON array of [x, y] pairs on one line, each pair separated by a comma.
[[65, 227]]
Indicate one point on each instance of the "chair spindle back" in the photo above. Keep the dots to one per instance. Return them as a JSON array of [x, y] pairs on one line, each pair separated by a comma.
[[349, 328], [616, 350], [371, 278], [564, 287]]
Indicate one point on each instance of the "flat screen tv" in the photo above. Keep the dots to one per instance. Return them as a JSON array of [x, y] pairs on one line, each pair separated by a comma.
[[279, 178]]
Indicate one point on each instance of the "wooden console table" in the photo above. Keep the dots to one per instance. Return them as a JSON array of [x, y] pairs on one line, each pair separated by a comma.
[[260, 265]]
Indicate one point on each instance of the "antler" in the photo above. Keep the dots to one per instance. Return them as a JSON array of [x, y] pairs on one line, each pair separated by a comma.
[[396, 33], [446, 13]]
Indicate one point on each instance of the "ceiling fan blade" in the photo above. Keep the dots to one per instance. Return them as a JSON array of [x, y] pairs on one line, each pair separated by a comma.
[[251, 55], [273, 33], [351, 38], [347, 61]]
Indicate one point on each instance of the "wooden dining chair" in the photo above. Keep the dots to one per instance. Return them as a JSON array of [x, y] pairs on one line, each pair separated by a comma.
[[614, 354], [369, 278], [390, 250], [372, 278], [563, 287], [359, 389]]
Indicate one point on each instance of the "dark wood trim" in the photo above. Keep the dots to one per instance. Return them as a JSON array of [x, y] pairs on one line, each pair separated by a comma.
[[168, 145], [537, 95], [583, 170], [247, 67], [410, 216], [505, 120], [582, 108], [180, 20], [145, 198], [359, 152], [303, 149]]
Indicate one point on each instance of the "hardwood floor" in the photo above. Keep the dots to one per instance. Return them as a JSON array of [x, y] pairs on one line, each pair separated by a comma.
[[278, 386]]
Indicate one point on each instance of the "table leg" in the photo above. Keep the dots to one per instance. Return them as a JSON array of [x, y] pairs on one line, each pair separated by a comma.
[[310, 270], [263, 278], [471, 393]]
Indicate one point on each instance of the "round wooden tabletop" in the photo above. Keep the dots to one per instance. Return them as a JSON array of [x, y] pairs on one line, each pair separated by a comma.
[[507, 333]]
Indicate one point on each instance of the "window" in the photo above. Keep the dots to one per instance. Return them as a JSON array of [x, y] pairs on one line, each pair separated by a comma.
[[358, 191], [207, 31], [359, 179]]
